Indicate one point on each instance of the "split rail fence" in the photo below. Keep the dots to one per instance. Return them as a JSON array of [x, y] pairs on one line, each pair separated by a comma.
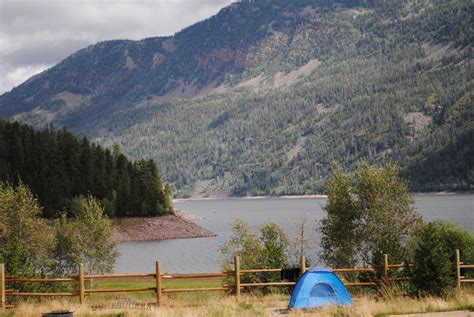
[[237, 274], [461, 265]]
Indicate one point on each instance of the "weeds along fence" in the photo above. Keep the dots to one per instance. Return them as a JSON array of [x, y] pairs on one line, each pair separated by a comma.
[[236, 274]]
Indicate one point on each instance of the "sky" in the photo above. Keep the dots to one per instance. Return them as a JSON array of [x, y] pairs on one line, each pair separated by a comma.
[[37, 34]]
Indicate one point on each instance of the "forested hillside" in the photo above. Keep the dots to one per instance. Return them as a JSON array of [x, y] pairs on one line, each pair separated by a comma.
[[265, 96], [60, 169]]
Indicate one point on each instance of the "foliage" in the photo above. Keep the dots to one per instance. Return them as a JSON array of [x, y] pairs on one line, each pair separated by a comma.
[[389, 216], [168, 197], [341, 230], [23, 235], [434, 271], [60, 169], [275, 244], [369, 213], [395, 82], [20, 262], [66, 249], [244, 244], [266, 250], [98, 250], [31, 247]]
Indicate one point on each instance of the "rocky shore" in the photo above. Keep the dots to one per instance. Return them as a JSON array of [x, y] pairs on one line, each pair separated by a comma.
[[177, 226]]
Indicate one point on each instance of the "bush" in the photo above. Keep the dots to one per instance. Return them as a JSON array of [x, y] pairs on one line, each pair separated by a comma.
[[434, 272], [267, 250], [31, 247]]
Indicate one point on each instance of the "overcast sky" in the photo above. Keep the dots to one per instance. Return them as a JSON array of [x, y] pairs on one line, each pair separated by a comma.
[[37, 34]]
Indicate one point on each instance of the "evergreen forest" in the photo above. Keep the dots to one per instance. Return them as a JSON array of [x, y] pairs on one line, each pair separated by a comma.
[[62, 170], [267, 95]]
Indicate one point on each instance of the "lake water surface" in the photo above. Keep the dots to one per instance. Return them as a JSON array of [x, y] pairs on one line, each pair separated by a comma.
[[202, 255]]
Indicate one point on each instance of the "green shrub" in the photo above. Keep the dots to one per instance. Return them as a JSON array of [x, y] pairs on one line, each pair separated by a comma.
[[267, 250], [434, 272]]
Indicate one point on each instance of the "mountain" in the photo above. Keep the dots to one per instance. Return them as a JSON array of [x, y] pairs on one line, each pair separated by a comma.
[[265, 96]]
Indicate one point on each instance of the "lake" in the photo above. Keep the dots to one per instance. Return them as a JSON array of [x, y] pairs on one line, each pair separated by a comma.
[[201, 255]]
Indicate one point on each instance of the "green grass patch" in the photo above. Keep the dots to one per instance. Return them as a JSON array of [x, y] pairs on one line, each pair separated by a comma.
[[123, 283]]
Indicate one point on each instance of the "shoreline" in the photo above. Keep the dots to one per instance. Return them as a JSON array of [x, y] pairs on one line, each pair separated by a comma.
[[313, 196], [179, 225], [224, 197], [182, 225]]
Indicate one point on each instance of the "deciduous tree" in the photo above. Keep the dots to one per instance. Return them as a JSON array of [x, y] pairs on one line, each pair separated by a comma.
[[23, 235], [369, 212], [98, 250]]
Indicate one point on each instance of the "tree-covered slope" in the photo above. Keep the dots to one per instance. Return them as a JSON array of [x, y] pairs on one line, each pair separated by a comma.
[[60, 169], [264, 96]]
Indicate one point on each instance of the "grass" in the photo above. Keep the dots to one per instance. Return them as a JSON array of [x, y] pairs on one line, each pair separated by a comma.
[[142, 283], [251, 305], [222, 304]]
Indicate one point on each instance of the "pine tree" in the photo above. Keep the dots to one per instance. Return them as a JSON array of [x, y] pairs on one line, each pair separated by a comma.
[[168, 198], [60, 170]]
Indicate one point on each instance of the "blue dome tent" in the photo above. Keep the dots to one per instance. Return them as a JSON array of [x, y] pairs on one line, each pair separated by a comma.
[[318, 288]]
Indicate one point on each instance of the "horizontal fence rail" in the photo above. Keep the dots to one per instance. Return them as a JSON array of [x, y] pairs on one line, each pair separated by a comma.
[[40, 280], [98, 277], [43, 294], [461, 265], [120, 290], [236, 274]]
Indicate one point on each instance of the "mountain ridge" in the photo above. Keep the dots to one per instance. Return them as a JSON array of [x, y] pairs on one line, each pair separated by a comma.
[[263, 96]]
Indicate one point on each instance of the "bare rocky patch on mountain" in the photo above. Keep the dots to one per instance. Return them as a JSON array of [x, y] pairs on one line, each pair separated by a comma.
[[418, 122], [296, 75]]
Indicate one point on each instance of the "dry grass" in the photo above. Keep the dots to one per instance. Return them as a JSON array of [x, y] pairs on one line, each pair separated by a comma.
[[248, 305], [367, 306]]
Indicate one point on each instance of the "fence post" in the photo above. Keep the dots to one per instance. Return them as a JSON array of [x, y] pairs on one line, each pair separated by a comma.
[[237, 275], [81, 284], [2, 287], [458, 271], [385, 268], [158, 283], [302, 265]]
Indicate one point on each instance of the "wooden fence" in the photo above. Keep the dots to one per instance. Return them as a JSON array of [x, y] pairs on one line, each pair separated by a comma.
[[461, 265], [237, 273]]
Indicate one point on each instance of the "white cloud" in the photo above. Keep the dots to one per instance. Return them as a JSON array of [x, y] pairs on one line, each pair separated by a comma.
[[36, 34], [20, 74]]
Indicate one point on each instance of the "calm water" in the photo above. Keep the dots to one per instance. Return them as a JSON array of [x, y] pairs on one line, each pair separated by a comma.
[[201, 255]]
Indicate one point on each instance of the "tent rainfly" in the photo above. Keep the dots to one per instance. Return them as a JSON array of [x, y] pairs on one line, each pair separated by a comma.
[[317, 288]]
